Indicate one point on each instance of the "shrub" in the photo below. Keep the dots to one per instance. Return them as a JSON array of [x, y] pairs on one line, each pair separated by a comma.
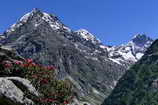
[[44, 80]]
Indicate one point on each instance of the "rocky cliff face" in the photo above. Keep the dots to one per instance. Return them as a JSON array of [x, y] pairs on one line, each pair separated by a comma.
[[139, 85], [92, 67]]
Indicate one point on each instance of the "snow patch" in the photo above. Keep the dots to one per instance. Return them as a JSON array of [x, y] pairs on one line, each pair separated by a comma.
[[25, 17], [115, 82], [88, 36], [54, 23], [95, 91], [85, 34], [129, 56], [116, 61], [105, 47], [139, 55], [102, 46]]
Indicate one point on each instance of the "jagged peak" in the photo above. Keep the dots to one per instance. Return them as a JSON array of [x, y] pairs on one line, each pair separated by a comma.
[[35, 11], [141, 40], [138, 35], [141, 37], [133, 50], [38, 16]]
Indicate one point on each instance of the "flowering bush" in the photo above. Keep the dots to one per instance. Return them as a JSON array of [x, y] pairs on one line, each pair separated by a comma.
[[44, 80]]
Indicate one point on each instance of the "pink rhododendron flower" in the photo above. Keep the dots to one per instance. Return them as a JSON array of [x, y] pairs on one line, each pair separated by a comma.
[[29, 60], [33, 64], [66, 102], [34, 76], [50, 68], [25, 65], [44, 81], [18, 62], [8, 65]]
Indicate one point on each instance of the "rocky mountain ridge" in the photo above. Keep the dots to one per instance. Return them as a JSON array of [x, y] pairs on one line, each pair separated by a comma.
[[132, 51]]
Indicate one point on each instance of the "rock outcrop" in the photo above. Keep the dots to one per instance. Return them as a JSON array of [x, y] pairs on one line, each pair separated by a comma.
[[11, 91]]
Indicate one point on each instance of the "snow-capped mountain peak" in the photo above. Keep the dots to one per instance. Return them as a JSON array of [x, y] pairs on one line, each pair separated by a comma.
[[132, 51], [141, 40], [36, 18], [140, 36], [30, 14], [87, 36]]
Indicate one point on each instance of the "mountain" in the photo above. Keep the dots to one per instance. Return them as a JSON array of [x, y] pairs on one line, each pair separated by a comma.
[[139, 85], [79, 56], [131, 52], [78, 59]]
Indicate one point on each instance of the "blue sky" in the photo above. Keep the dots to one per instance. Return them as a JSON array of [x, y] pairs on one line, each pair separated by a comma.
[[113, 21]]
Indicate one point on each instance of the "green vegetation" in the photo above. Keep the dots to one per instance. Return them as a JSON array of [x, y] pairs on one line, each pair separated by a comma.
[[139, 86]]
